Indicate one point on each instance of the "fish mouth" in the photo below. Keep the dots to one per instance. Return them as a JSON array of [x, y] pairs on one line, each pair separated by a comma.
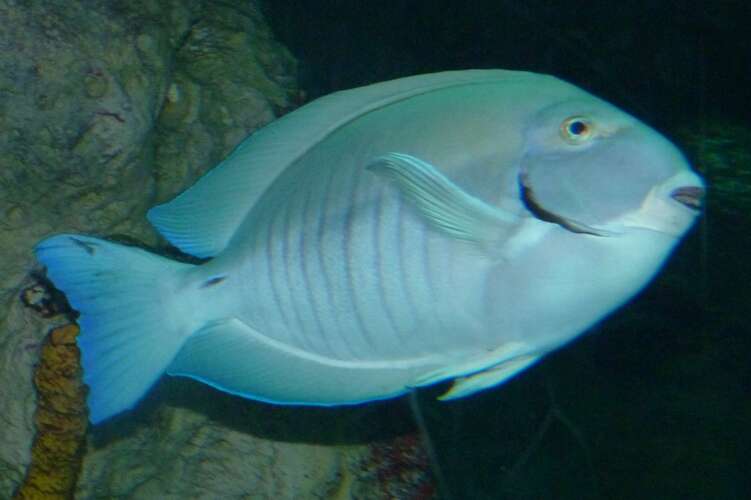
[[689, 196], [539, 211]]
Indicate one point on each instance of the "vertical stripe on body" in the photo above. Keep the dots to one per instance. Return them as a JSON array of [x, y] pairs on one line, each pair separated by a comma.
[[357, 260], [314, 281], [382, 254], [353, 271], [274, 286], [418, 279], [288, 268], [323, 221]]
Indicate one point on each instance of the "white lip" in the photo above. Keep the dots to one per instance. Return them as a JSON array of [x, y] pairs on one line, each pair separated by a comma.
[[661, 211]]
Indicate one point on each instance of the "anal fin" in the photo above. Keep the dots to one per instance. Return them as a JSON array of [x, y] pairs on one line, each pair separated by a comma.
[[233, 357]]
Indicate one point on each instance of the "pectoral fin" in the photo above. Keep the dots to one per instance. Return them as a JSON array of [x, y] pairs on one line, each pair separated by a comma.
[[464, 386], [443, 204], [480, 364]]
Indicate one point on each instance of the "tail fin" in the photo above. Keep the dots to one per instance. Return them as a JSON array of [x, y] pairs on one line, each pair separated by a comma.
[[129, 334]]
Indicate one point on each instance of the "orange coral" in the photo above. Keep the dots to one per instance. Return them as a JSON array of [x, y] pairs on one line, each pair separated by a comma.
[[61, 420]]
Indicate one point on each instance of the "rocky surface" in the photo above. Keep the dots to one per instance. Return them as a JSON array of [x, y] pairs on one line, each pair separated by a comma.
[[107, 108]]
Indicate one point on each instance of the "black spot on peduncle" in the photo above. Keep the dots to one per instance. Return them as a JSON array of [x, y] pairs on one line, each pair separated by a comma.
[[213, 281]]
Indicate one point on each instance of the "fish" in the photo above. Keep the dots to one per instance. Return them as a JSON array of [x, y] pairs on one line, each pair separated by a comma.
[[454, 226]]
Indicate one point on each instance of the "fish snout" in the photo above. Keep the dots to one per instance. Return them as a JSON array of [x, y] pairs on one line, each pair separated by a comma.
[[670, 207]]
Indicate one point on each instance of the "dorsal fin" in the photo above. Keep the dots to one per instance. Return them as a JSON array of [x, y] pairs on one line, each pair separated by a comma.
[[202, 219]]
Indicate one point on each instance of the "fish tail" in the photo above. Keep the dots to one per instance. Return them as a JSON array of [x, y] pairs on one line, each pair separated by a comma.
[[130, 317]]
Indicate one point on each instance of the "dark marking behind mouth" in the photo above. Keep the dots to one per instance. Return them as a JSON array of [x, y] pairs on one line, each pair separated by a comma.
[[213, 281], [529, 200], [90, 248]]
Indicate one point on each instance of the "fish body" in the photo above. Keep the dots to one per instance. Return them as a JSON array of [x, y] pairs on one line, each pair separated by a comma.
[[457, 225]]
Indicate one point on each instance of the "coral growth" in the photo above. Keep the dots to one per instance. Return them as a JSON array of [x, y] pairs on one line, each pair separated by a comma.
[[61, 419], [401, 469]]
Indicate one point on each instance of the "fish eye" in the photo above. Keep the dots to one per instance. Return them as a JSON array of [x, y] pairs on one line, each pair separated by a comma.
[[576, 129]]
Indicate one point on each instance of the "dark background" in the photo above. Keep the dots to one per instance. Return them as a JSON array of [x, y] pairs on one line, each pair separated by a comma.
[[653, 57]]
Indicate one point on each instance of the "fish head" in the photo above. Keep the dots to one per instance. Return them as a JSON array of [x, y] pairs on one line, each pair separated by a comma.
[[594, 169]]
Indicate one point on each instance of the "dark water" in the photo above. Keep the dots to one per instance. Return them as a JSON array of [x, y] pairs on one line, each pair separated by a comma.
[[656, 401]]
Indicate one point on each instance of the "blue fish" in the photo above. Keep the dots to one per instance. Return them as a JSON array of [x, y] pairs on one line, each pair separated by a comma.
[[451, 226]]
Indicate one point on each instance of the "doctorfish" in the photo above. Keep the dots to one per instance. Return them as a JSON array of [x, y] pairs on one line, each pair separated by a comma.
[[450, 226]]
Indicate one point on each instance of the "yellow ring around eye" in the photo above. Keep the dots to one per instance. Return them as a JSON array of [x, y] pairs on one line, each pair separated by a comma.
[[577, 129]]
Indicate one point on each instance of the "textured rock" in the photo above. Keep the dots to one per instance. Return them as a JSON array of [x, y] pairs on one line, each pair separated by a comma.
[[183, 454], [397, 469], [107, 108]]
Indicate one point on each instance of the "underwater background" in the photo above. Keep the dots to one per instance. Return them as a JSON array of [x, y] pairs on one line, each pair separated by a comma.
[[107, 108]]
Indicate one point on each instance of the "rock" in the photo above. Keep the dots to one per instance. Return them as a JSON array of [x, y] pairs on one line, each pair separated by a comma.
[[108, 108]]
